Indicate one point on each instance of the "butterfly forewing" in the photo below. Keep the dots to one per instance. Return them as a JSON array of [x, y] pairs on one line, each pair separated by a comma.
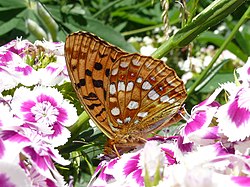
[[88, 61]]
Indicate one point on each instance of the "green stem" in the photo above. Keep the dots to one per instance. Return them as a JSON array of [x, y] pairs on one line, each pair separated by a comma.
[[210, 16], [105, 8], [136, 31], [78, 127], [219, 51]]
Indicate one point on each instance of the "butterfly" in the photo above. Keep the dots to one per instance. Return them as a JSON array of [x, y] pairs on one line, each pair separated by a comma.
[[127, 95]]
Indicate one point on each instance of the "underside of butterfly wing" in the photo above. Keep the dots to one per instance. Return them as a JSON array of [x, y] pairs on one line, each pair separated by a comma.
[[144, 95], [128, 96], [89, 60]]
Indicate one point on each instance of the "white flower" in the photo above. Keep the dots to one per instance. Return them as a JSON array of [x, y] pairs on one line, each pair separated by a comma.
[[234, 116], [152, 158], [12, 175], [45, 110]]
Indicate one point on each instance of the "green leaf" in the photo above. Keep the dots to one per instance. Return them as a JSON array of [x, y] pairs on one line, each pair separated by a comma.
[[218, 78], [213, 72], [105, 32], [210, 37], [47, 20], [9, 25], [14, 3]]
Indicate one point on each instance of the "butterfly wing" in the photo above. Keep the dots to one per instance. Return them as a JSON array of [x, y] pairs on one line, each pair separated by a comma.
[[89, 60], [144, 94]]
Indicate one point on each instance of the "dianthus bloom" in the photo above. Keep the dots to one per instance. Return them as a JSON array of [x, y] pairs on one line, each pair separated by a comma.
[[211, 149], [35, 116]]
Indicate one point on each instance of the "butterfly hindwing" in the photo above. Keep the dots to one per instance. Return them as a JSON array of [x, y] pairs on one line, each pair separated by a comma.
[[144, 94]]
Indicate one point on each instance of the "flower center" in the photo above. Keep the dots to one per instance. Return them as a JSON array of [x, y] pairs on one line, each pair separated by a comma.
[[45, 113]]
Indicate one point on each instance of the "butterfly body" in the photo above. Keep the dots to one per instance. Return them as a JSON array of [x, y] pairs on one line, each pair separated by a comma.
[[128, 96]]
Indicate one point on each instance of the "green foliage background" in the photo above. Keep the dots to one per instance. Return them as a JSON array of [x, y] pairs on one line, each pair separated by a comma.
[[116, 21]]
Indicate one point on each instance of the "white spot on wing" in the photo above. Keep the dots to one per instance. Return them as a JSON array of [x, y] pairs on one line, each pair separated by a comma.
[[114, 71], [164, 99], [152, 78], [127, 120], [139, 80], [171, 101], [153, 95], [115, 111], [133, 105], [130, 86], [112, 89], [147, 64], [135, 62], [121, 86], [124, 64], [142, 114], [119, 121], [146, 85], [136, 121]]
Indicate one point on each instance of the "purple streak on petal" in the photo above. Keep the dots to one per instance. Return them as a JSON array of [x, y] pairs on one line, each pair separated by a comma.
[[172, 138], [13, 136], [214, 104], [15, 50], [98, 168], [30, 117], [242, 180], [27, 105], [220, 149], [137, 175], [30, 126], [57, 127], [51, 69], [170, 156], [187, 147], [105, 177], [112, 163], [7, 57], [131, 165], [41, 161], [2, 149], [238, 115], [5, 181], [25, 70], [50, 183], [248, 71], [197, 122], [62, 116], [212, 134], [42, 97]]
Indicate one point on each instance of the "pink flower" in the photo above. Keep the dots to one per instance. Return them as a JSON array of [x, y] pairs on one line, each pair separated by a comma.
[[234, 116], [45, 110]]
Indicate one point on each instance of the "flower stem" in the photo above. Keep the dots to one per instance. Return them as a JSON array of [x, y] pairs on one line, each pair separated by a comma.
[[78, 127], [210, 16]]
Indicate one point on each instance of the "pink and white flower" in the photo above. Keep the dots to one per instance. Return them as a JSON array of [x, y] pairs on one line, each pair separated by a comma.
[[234, 116], [44, 110]]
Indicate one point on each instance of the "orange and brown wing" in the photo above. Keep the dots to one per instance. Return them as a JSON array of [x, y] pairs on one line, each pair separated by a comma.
[[144, 94], [89, 60]]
